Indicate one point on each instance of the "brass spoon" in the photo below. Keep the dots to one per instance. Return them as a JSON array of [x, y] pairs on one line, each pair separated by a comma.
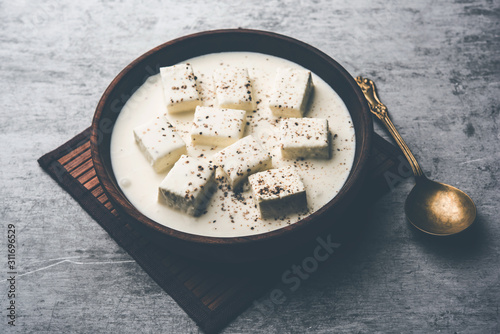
[[432, 207]]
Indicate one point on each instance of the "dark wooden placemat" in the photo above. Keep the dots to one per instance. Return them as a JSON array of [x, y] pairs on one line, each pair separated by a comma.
[[211, 294]]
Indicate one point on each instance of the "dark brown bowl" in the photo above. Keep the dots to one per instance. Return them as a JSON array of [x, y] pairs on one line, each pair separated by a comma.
[[235, 249]]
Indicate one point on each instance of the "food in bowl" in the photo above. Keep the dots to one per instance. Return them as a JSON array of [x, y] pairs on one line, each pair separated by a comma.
[[188, 186], [217, 126], [160, 143], [278, 191], [179, 87], [233, 209], [292, 90], [233, 88]]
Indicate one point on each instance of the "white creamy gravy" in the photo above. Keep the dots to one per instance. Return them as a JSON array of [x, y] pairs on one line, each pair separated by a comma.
[[230, 215]]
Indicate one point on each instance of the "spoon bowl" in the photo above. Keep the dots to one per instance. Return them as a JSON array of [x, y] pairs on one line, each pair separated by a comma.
[[439, 209], [432, 207]]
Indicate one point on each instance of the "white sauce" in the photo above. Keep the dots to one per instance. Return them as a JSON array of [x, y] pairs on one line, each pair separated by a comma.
[[229, 215]]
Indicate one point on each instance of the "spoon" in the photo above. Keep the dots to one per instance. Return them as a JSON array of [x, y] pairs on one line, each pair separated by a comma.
[[432, 207]]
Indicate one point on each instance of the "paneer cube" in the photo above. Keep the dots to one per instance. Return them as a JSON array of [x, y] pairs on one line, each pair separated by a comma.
[[233, 88], [160, 143], [278, 192], [292, 90], [188, 186], [304, 138], [179, 87], [217, 127], [242, 159]]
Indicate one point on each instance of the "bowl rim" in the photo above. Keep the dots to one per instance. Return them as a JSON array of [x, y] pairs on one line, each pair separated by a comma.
[[116, 196]]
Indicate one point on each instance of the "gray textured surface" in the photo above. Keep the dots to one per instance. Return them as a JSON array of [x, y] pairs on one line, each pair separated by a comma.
[[437, 65]]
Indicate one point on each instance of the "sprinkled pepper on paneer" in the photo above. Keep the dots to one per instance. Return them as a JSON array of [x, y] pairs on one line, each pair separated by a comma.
[[233, 88], [160, 143], [304, 138], [278, 191], [292, 91], [180, 88], [241, 159], [188, 186], [217, 126]]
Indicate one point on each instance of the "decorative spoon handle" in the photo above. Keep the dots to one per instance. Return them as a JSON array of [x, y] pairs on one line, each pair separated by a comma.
[[380, 110]]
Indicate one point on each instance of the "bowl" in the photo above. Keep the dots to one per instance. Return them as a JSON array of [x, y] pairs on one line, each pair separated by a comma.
[[230, 249]]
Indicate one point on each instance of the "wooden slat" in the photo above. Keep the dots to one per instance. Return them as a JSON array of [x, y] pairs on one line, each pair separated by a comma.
[[76, 152], [77, 161], [187, 273], [217, 291], [109, 206], [87, 176], [194, 281], [103, 198], [208, 283], [97, 191], [91, 183], [82, 168], [228, 294]]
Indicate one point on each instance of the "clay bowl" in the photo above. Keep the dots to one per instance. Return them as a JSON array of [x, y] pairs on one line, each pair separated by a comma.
[[234, 249]]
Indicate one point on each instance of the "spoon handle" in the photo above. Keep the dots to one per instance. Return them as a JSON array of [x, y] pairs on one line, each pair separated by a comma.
[[380, 110]]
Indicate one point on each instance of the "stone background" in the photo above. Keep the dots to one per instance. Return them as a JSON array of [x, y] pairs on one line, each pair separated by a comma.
[[437, 66]]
